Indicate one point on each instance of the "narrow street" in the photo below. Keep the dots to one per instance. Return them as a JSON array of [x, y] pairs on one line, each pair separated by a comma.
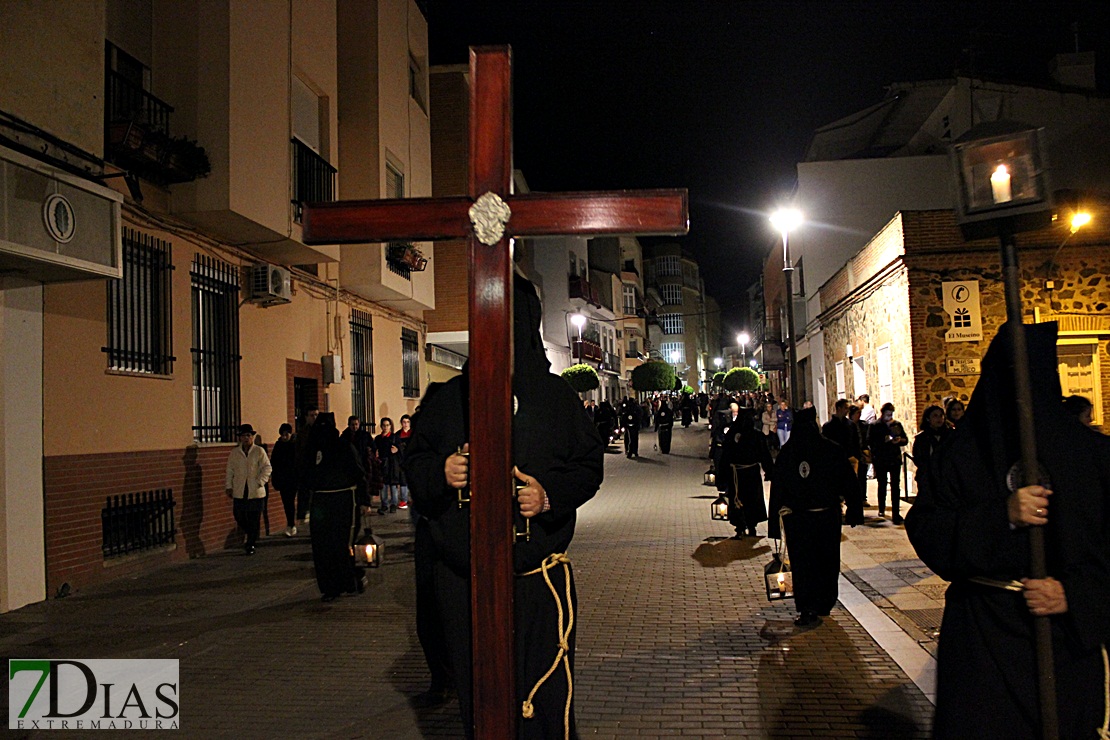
[[676, 637]]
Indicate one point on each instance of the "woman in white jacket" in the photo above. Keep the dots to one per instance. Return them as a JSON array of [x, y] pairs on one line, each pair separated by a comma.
[[248, 471]]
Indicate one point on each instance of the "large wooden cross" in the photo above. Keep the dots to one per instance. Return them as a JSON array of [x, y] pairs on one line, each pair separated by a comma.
[[489, 215]]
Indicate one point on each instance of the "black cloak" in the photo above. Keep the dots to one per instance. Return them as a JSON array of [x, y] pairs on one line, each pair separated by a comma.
[[743, 446], [986, 668], [554, 441]]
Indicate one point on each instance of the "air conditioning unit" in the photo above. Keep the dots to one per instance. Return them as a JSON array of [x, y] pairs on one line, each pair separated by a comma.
[[270, 285]]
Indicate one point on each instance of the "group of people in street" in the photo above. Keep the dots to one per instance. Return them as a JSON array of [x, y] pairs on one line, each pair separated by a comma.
[[324, 477]]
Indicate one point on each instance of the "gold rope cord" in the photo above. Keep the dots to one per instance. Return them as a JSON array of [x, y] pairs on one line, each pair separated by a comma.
[[564, 635], [1104, 731]]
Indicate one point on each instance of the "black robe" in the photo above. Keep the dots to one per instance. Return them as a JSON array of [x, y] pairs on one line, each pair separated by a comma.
[[664, 425], [812, 474], [742, 446], [986, 667], [553, 440], [334, 477]]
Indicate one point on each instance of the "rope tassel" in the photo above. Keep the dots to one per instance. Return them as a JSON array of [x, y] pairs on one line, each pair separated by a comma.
[[563, 656]]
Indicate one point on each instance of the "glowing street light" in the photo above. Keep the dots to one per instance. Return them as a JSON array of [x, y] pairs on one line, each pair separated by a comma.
[[786, 220], [718, 362], [578, 320], [1079, 220], [742, 339]]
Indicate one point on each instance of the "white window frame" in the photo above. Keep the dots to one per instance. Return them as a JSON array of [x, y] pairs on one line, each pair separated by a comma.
[[840, 389], [886, 374]]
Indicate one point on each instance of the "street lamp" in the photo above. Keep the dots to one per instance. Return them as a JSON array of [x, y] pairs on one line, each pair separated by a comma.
[[743, 338], [786, 220], [675, 356], [578, 320]]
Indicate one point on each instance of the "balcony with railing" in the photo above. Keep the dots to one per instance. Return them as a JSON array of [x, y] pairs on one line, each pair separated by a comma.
[[137, 135], [580, 288], [611, 361], [313, 178], [583, 350]]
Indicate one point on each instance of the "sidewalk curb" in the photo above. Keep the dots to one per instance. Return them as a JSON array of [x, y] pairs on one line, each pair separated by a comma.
[[918, 664]]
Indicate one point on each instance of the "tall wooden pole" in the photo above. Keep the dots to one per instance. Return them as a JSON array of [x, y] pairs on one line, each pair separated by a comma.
[[1030, 475]]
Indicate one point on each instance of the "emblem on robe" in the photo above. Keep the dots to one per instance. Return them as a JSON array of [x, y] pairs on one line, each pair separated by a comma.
[[736, 438], [489, 214], [803, 469]]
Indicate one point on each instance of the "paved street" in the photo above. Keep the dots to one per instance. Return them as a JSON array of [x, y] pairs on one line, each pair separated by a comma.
[[676, 637]]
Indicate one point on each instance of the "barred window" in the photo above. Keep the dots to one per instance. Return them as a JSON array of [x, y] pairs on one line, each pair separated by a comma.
[[673, 323], [410, 359], [362, 368], [668, 266], [673, 352], [395, 188], [215, 348], [140, 330], [672, 295]]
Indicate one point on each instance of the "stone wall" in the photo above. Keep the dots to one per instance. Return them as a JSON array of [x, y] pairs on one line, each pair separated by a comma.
[[1079, 297]]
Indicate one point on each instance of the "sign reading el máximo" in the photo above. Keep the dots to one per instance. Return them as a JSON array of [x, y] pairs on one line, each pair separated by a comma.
[[961, 302]]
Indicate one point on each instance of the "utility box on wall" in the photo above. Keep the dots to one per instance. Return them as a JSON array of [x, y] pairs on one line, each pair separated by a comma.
[[333, 368]]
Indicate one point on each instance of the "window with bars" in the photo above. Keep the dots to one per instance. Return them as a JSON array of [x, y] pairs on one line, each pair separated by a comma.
[[410, 364], [395, 188], [215, 348], [674, 352], [140, 330], [672, 295], [673, 323], [362, 368]]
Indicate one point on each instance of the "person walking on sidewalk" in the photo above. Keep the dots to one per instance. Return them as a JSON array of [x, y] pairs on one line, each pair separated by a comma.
[[887, 439], [283, 460], [303, 441], [630, 419], [811, 477], [248, 471], [971, 526], [863, 444]]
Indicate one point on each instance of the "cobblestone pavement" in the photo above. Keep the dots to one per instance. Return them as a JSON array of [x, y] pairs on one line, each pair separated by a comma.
[[676, 637]]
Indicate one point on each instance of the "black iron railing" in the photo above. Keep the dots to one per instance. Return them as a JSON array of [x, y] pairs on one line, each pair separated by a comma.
[[140, 326], [135, 522], [215, 308], [313, 178], [410, 364], [129, 103], [362, 367]]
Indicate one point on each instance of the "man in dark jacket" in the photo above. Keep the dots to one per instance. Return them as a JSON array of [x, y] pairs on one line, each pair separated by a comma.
[[334, 478], [558, 459], [971, 527], [812, 475]]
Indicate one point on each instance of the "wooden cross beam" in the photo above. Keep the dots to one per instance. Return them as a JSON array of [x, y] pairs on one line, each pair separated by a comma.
[[488, 216]]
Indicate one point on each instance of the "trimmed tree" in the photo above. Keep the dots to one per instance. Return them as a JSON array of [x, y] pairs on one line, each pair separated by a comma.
[[581, 377], [653, 376], [741, 379], [719, 379], [687, 390]]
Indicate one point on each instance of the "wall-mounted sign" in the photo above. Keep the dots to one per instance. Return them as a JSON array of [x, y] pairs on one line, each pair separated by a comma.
[[958, 366], [961, 301], [57, 216]]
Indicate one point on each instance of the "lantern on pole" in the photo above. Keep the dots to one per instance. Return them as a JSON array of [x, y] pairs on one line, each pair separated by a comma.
[[370, 552], [1003, 189], [718, 510]]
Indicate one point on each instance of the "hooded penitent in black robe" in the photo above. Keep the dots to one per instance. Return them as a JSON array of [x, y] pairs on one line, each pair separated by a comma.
[[334, 477], [812, 474], [743, 463], [986, 666], [554, 441], [664, 425]]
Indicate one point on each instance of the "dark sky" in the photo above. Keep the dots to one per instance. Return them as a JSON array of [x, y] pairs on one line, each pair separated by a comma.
[[722, 97]]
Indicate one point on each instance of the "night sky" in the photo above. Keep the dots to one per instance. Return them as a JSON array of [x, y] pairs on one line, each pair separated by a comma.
[[722, 98]]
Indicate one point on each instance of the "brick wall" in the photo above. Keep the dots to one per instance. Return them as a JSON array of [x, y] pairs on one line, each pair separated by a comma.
[[75, 490], [299, 369]]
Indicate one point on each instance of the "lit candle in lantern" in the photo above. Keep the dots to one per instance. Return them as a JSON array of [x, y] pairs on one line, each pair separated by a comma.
[[1000, 185]]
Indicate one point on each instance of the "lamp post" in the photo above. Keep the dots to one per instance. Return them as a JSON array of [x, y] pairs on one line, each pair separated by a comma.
[[743, 338], [786, 220], [1003, 190], [578, 320]]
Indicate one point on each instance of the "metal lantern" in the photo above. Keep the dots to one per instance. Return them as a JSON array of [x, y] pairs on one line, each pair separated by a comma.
[[778, 579], [710, 477], [719, 509], [1001, 176], [370, 553]]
